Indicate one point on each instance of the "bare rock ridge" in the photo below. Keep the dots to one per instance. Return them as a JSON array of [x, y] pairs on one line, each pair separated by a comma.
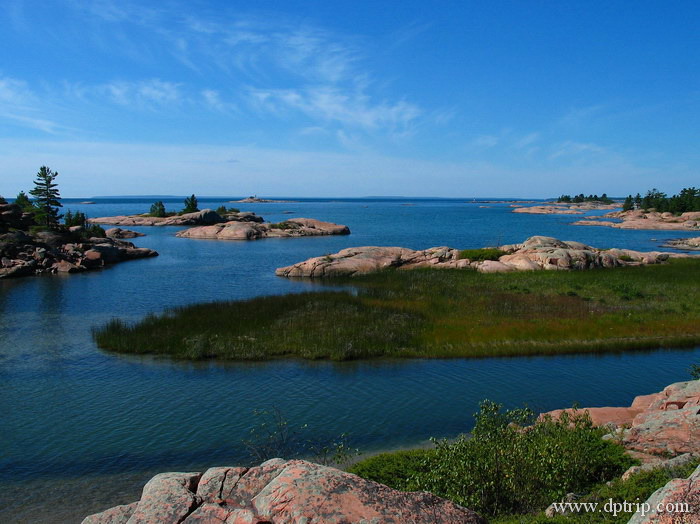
[[560, 208], [640, 219], [280, 491], [536, 253], [688, 244], [293, 227]]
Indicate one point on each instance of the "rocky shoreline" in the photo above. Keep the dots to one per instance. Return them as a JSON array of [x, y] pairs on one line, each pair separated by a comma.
[[536, 253], [687, 244], [23, 253], [561, 208], [640, 219], [198, 218], [661, 429]]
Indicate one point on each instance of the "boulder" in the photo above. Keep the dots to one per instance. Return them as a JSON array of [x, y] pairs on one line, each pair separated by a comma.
[[292, 491], [675, 503], [119, 233]]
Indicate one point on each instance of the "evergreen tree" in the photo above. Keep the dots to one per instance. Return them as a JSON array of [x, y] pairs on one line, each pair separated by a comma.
[[23, 201], [191, 205], [629, 204], [47, 198], [158, 209]]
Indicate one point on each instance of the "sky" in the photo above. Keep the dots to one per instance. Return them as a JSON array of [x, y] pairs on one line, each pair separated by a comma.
[[350, 98]]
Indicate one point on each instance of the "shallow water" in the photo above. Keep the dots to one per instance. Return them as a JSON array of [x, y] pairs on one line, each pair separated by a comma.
[[77, 420]]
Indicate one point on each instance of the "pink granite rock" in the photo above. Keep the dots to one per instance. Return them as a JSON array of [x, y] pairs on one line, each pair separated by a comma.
[[678, 502], [294, 227], [280, 491]]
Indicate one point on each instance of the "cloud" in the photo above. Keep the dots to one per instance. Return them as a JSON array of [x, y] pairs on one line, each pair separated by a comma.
[[486, 141], [19, 104], [527, 140], [141, 93], [571, 148], [336, 105]]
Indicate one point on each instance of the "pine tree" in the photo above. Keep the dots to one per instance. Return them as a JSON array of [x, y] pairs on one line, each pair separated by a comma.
[[629, 204], [158, 209], [47, 199], [191, 205], [23, 201]]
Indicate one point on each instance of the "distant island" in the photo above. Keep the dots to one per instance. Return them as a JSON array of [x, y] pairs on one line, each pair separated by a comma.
[[256, 200]]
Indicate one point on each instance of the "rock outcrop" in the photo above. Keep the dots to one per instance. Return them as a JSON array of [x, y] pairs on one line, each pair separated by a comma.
[[294, 227], [687, 244], [48, 252], [678, 502], [564, 209], [280, 491], [640, 219], [535, 253], [661, 424], [198, 218], [13, 217], [119, 233]]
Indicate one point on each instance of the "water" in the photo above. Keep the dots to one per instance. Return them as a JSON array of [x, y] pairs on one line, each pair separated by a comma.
[[83, 430]]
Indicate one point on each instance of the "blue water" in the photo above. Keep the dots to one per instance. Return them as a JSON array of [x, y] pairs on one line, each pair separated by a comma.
[[77, 420]]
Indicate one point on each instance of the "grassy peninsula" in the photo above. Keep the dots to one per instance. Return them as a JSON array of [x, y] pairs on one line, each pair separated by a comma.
[[436, 313]]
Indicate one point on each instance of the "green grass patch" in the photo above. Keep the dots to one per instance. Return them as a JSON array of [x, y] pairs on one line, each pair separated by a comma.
[[486, 253], [436, 313]]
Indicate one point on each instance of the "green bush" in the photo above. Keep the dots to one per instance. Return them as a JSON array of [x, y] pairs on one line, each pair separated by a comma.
[[191, 205], [486, 253], [285, 225], [158, 209], [398, 469], [504, 467], [223, 210]]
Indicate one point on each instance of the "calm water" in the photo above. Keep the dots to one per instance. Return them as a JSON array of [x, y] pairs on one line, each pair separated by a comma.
[[82, 430]]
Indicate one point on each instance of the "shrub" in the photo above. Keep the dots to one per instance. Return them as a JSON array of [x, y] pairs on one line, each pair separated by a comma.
[[158, 209], [398, 469], [487, 253], [223, 210], [285, 225], [626, 258], [506, 468]]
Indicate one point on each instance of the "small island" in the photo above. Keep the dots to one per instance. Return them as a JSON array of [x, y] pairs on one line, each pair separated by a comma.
[[34, 242], [613, 302]]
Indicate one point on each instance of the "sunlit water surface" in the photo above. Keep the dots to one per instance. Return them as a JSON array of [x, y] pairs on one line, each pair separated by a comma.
[[82, 430]]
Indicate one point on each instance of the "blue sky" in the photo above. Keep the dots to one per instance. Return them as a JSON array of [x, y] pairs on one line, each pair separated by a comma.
[[352, 98]]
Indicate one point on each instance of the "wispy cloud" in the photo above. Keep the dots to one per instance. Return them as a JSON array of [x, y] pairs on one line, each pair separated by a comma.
[[572, 148], [19, 105]]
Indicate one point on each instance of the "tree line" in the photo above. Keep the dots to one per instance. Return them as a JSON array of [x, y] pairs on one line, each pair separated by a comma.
[[687, 200]]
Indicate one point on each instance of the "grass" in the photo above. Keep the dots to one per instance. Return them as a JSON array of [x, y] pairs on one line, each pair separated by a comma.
[[485, 253], [431, 313]]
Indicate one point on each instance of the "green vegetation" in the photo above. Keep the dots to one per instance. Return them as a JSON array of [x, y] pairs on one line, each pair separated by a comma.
[[577, 199], [81, 219], [47, 198], [223, 210], [436, 313], [637, 488], [23, 201], [502, 469], [274, 436], [687, 200], [285, 225], [486, 253], [158, 209], [191, 205]]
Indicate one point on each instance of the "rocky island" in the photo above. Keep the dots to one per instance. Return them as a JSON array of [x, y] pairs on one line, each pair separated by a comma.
[[197, 218], [687, 244], [24, 252], [564, 208], [237, 230], [642, 219], [535, 253]]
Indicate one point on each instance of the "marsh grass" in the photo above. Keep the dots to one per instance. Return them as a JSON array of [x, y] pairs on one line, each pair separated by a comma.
[[485, 253], [436, 313]]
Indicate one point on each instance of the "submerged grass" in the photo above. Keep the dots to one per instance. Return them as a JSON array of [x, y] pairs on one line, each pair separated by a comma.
[[436, 313]]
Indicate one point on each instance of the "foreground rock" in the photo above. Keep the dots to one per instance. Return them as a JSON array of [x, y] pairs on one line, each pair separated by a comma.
[[280, 491], [204, 217], [677, 502], [294, 227], [640, 219], [688, 244], [535, 253]]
